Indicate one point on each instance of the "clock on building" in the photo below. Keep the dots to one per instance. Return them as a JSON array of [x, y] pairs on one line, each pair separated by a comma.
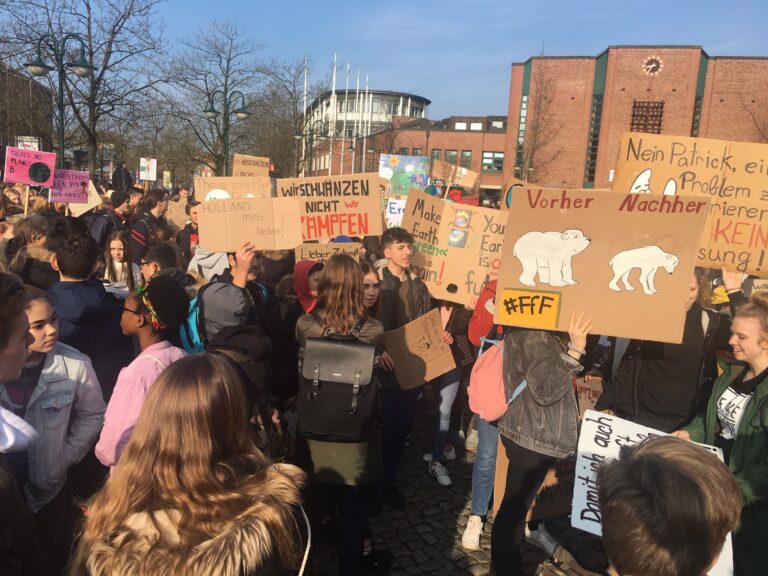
[[652, 65]]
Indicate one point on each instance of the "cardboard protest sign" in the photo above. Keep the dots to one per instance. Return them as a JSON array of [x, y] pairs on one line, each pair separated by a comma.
[[220, 187], [601, 439], [94, 200], [505, 198], [148, 169], [456, 248], [346, 205], [70, 186], [626, 260], [418, 351], [733, 174], [270, 223], [393, 212], [29, 166], [250, 166], [404, 174], [453, 175], [322, 252], [177, 213], [759, 285]]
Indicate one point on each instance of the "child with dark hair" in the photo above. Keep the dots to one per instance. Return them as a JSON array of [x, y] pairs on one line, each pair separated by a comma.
[[88, 319], [20, 552], [57, 394], [154, 205], [667, 507], [189, 237], [152, 314], [157, 255], [404, 297]]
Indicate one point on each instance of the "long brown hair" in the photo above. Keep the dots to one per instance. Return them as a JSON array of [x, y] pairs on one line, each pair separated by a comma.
[[190, 454], [111, 272], [340, 294]]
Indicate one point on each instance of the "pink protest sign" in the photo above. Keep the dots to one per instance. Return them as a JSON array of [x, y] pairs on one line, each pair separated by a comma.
[[29, 166], [70, 186]]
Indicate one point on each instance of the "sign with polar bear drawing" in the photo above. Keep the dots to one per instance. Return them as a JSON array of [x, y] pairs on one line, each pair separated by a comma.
[[627, 264], [648, 260], [733, 175], [549, 255], [456, 247]]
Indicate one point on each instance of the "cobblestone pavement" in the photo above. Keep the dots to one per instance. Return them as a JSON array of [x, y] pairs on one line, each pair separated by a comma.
[[426, 537]]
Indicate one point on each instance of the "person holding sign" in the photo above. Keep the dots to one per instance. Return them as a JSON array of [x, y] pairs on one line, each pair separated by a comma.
[[735, 421], [540, 425], [661, 385]]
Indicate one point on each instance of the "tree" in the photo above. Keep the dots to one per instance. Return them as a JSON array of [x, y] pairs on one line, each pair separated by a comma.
[[122, 39], [221, 59], [542, 127]]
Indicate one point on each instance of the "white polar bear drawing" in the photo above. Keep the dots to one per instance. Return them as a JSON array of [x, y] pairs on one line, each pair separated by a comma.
[[648, 259], [549, 254], [642, 184]]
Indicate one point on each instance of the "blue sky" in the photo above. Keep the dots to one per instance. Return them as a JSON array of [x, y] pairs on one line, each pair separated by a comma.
[[458, 53]]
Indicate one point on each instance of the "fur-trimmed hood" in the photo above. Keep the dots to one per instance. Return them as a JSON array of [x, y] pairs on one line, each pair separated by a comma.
[[150, 545]]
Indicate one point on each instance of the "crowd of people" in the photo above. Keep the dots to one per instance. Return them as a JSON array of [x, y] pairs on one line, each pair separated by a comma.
[[163, 409]]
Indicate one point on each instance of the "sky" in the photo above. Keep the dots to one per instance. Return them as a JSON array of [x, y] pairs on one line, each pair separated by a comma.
[[458, 53]]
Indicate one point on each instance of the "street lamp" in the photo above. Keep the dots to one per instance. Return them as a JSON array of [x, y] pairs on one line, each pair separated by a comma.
[[81, 67], [229, 102], [317, 131]]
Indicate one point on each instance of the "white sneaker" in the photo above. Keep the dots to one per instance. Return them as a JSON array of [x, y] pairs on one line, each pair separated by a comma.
[[440, 473], [449, 453], [542, 539], [470, 540]]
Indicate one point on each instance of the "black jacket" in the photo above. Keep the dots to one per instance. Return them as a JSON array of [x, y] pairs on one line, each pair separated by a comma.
[[643, 358], [101, 224], [420, 301], [183, 238]]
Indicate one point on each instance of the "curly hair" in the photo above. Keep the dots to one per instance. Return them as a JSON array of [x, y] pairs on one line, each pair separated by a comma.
[[163, 298]]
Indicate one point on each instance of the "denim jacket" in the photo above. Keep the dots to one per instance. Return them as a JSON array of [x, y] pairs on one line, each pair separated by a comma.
[[67, 411], [544, 417]]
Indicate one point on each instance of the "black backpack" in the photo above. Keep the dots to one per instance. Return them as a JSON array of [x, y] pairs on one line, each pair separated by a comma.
[[337, 400]]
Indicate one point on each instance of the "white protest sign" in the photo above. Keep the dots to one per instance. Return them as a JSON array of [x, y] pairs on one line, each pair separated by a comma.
[[601, 439], [394, 211], [148, 169]]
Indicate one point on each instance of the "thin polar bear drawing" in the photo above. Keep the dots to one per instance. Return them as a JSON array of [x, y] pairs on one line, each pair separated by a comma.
[[549, 255], [648, 259], [642, 184]]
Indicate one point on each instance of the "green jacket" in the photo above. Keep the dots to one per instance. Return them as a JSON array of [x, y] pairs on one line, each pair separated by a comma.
[[749, 464]]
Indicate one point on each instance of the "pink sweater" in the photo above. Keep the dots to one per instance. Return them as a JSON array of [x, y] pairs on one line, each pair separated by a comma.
[[131, 388]]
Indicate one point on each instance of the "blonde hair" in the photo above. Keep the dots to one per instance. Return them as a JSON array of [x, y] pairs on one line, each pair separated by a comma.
[[189, 459], [757, 308]]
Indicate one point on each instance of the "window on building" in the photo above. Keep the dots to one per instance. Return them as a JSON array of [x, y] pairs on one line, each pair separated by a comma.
[[520, 135], [350, 132], [460, 126], [497, 124], [493, 161], [375, 104], [436, 153], [594, 138], [696, 124], [476, 126], [647, 116], [466, 158], [417, 151], [451, 156], [402, 151]]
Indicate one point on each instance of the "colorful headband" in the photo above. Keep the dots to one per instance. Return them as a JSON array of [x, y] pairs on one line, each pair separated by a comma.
[[141, 293]]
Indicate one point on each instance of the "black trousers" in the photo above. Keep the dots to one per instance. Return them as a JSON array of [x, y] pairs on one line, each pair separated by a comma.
[[352, 503], [526, 472]]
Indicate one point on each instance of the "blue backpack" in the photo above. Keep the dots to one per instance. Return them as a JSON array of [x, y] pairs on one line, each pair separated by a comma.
[[192, 332]]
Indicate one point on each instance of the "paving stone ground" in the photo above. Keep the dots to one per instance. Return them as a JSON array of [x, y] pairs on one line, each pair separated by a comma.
[[426, 537]]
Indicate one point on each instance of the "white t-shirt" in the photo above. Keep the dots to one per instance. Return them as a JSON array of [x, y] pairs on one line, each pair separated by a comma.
[[730, 409]]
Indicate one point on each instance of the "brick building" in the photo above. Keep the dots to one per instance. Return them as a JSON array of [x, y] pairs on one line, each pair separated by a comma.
[[567, 114]]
